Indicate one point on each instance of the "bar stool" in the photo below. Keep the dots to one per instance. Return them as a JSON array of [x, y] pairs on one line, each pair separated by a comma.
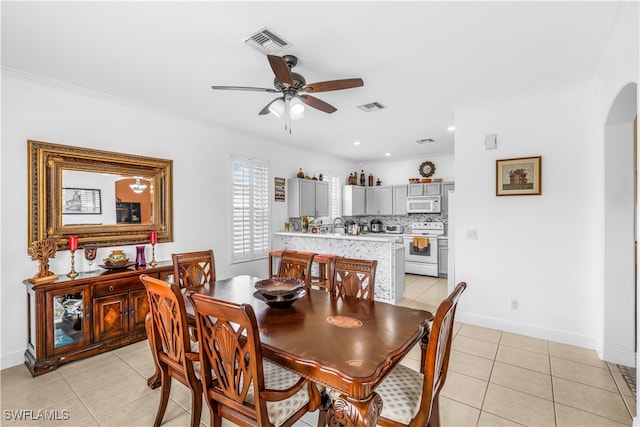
[[322, 280]]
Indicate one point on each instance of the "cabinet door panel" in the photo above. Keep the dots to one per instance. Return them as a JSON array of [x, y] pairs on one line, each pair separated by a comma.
[[110, 317], [399, 199], [372, 202], [415, 190], [68, 319], [138, 309], [322, 198], [385, 200]]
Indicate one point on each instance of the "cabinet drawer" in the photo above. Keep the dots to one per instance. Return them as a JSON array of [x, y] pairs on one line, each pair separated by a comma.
[[117, 286]]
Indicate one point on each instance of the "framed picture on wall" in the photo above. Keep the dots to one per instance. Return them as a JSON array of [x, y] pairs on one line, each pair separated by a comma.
[[519, 177], [78, 201]]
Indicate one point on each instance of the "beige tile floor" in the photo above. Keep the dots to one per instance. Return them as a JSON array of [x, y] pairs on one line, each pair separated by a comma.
[[495, 378]]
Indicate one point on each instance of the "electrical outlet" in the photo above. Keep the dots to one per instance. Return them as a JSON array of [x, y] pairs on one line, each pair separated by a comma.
[[514, 304], [472, 234]]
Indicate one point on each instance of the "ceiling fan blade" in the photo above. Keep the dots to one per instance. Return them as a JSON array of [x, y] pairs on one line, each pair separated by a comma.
[[317, 104], [333, 85], [246, 88], [280, 69], [266, 110]]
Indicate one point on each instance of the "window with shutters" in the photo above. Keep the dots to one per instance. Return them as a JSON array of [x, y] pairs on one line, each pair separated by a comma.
[[251, 216]]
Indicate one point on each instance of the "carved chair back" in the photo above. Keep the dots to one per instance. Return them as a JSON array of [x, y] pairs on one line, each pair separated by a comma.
[[434, 367], [168, 334], [233, 370], [354, 277], [297, 265], [193, 269]]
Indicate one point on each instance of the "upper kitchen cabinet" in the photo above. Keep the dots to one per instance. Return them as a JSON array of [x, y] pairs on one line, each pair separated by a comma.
[[431, 189], [379, 200], [399, 199], [307, 197], [353, 200], [446, 187]]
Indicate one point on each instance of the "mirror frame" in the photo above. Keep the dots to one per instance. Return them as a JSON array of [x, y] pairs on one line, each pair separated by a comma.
[[46, 164]]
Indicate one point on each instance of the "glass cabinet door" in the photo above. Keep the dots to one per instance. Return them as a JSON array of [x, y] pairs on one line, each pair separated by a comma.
[[68, 319]]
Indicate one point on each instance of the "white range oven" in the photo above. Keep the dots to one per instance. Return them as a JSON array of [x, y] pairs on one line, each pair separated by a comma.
[[421, 248]]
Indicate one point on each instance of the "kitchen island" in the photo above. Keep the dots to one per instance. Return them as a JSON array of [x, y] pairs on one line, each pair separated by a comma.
[[389, 285]]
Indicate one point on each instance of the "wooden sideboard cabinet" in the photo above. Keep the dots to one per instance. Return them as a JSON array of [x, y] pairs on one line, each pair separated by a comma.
[[71, 319]]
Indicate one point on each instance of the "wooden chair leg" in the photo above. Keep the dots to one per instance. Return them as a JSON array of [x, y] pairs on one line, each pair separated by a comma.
[[324, 408], [165, 391], [434, 419], [196, 407]]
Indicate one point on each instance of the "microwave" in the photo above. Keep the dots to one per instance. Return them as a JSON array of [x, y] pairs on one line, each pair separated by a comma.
[[423, 204]]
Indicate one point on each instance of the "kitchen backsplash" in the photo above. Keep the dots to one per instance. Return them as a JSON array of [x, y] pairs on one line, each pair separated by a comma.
[[403, 220]]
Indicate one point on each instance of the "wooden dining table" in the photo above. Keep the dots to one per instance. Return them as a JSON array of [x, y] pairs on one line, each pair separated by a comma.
[[346, 344]]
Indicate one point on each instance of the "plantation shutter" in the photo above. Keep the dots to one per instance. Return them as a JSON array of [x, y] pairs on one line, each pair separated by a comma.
[[250, 217]]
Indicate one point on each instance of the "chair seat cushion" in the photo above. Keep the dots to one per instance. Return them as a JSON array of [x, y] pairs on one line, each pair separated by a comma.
[[401, 392], [278, 378]]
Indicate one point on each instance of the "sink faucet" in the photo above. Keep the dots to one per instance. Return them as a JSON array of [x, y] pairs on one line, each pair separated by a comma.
[[334, 223]]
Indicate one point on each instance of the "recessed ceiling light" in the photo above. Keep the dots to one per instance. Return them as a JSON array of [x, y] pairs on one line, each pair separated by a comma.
[[356, 143], [387, 154], [451, 128]]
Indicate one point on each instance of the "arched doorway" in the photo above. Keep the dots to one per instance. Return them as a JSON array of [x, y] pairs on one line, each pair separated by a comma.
[[620, 293]]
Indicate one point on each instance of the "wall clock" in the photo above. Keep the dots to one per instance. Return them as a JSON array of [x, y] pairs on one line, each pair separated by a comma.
[[427, 169]]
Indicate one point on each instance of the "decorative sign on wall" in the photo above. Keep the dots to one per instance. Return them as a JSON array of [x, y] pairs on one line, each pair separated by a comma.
[[519, 177], [279, 189]]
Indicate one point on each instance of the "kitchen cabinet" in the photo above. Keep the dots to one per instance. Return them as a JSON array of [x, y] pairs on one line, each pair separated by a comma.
[[430, 189], [399, 199], [307, 197], [353, 200], [71, 319], [379, 200], [443, 257], [446, 187]]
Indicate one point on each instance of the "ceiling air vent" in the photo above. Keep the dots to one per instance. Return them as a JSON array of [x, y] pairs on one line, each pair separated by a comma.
[[374, 106], [425, 141], [266, 41]]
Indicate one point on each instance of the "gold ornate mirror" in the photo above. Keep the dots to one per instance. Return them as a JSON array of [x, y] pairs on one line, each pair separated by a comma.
[[103, 197]]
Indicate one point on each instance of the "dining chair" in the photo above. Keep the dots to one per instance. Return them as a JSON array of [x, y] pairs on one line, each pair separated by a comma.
[[353, 277], [239, 384], [410, 398], [192, 269], [297, 265], [174, 354]]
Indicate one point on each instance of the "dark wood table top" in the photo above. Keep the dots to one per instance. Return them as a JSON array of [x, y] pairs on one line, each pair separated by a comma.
[[347, 344]]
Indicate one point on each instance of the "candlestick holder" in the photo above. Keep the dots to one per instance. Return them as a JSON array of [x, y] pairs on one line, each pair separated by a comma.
[[153, 262], [73, 273]]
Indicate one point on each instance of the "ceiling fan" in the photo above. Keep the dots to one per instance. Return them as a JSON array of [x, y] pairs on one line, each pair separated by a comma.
[[294, 90]]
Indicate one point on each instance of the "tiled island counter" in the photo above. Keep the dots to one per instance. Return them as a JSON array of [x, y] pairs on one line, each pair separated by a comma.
[[389, 285]]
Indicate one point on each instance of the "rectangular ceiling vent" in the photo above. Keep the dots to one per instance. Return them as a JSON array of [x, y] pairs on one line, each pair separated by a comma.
[[425, 141], [374, 106], [266, 41]]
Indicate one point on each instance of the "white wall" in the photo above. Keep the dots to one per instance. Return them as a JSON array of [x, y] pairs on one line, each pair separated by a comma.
[[33, 109], [543, 251], [397, 172]]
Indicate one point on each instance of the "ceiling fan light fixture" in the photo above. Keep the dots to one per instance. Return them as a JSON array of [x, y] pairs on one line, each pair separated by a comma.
[[297, 107], [277, 108]]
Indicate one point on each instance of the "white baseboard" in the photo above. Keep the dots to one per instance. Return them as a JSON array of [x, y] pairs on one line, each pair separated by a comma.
[[619, 357], [11, 360], [548, 334]]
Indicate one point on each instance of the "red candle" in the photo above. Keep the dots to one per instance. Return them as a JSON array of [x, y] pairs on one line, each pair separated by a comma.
[[153, 236], [72, 241]]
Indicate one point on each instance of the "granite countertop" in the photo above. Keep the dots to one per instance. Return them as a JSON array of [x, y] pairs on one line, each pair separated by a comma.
[[371, 237]]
